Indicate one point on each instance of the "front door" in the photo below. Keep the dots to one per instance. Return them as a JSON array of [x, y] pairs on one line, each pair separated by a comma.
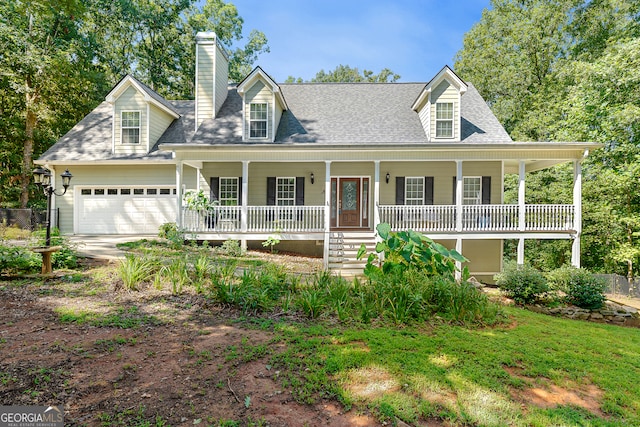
[[349, 202]]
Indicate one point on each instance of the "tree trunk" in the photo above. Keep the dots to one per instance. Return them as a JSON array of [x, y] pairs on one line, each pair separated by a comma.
[[27, 152]]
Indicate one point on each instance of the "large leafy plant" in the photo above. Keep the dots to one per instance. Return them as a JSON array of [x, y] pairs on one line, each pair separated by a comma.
[[404, 250]]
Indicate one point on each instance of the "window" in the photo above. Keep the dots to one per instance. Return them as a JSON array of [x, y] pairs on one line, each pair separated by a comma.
[[285, 191], [112, 191], [444, 120], [152, 191], [138, 191], [85, 191], [228, 192], [414, 190], [472, 190], [130, 127], [125, 191], [258, 121]]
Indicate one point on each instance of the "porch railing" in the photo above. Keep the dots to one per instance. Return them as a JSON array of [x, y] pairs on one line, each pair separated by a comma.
[[478, 218], [268, 219]]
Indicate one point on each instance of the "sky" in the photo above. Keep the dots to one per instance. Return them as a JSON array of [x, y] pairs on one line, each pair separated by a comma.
[[413, 38]]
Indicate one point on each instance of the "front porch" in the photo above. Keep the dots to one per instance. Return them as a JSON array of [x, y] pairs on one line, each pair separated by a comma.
[[432, 220]]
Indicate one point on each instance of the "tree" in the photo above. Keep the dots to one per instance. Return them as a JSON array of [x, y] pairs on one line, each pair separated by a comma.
[[569, 70], [346, 74], [46, 69]]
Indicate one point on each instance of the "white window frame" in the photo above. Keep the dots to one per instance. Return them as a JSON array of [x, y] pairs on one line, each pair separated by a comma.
[[290, 199], [129, 127], [442, 120], [477, 183], [413, 199], [232, 185], [264, 120]]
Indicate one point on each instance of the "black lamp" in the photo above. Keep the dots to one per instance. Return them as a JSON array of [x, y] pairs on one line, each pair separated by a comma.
[[313, 178], [42, 177], [388, 177]]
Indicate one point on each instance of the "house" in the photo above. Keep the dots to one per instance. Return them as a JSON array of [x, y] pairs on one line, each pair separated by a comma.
[[316, 165]]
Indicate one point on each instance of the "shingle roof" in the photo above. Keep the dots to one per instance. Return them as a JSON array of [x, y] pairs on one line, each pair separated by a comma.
[[319, 113], [153, 94], [91, 138], [354, 114]]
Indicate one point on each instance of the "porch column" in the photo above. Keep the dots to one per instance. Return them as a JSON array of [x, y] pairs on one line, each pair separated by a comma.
[[458, 263], [577, 215], [459, 189], [244, 210], [179, 171], [376, 194], [327, 214], [198, 175], [521, 210]]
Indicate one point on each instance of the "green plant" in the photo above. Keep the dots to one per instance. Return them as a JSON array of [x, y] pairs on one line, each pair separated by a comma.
[[231, 248], [580, 286], [311, 301], [408, 249], [177, 273], [18, 259], [523, 283], [171, 232], [271, 242], [134, 270]]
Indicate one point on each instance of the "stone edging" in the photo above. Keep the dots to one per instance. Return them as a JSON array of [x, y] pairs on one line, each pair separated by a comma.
[[611, 313]]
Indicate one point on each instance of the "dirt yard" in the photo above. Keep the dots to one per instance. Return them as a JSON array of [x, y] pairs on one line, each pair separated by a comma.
[[184, 364]]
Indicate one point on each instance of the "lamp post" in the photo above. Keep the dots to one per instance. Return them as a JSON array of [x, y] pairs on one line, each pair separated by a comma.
[[42, 177]]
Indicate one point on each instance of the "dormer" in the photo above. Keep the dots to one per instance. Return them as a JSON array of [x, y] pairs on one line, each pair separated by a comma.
[[140, 116], [262, 106], [438, 106]]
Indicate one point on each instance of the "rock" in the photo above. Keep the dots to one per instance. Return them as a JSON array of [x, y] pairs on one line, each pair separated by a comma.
[[596, 316]]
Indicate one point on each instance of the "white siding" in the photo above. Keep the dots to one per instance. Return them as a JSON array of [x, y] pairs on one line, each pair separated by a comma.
[[205, 83], [109, 176], [222, 79], [130, 100], [158, 123], [259, 93], [445, 92], [425, 118]]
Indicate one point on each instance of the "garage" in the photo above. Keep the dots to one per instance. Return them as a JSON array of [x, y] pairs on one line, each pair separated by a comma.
[[124, 210]]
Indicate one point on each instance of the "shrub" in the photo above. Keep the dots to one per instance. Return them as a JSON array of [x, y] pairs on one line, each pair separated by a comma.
[[171, 232], [581, 287], [405, 250], [231, 247], [18, 259], [66, 257], [523, 283]]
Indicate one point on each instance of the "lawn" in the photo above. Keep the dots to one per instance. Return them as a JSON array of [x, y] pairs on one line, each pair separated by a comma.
[[159, 354]]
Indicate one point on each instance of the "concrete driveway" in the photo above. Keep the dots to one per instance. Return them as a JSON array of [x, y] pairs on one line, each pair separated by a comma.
[[104, 246]]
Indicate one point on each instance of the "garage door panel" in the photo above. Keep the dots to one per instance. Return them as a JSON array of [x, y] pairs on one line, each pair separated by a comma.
[[124, 214]]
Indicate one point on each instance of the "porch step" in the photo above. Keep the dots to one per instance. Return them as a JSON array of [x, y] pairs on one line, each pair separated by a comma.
[[343, 251]]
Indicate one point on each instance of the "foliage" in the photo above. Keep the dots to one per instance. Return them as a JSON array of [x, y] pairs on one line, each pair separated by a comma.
[[523, 283], [66, 256], [198, 201], [231, 248], [408, 249], [271, 242], [580, 286], [346, 74], [569, 71], [18, 259], [171, 232], [134, 270]]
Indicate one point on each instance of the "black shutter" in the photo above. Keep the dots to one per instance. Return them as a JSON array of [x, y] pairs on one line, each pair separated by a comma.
[[214, 187], [300, 191], [271, 191], [399, 190], [486, 190], [428, 190], [455, 187], [239, 191]]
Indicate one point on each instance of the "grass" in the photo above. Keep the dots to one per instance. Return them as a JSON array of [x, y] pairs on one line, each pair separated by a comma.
[[463, 374], [124, 318]]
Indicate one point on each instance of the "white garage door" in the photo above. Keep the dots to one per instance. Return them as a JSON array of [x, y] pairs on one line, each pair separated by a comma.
[[122, 210]]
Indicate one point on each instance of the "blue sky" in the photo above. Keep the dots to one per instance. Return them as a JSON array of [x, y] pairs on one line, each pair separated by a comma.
[[414, 38]]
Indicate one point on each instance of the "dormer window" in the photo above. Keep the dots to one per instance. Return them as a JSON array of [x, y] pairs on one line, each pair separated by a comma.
[[258, 120], [130, 127], [444, 120]]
